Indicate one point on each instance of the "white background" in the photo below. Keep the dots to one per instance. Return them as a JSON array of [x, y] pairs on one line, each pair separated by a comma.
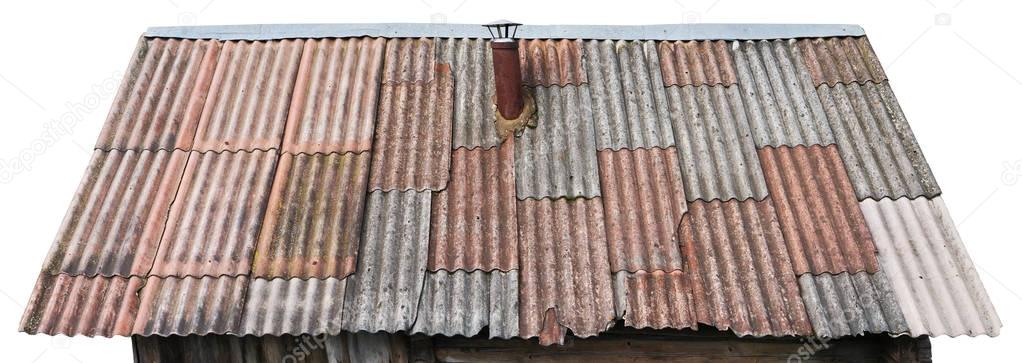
[[954, 65]]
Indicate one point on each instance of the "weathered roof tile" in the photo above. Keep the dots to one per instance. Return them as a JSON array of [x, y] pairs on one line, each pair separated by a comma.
[[658, 300], [842, 60], [696, 63], [463, 303], [80, 305], [471, 62], [409, 60], [548, 62], [191, 305], [293, 306]]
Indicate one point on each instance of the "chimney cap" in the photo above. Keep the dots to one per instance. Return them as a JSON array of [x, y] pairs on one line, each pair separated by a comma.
[[501, 22], [505, 29]]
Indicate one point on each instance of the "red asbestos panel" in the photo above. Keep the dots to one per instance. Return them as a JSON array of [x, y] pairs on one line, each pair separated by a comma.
[[409, 60], [314, 217], [474, 221], [697, 63], [643, 200], [413, 137], [161, 96], [841, 60], [250, 95], [741, 273], [216, 215], [79, 305], [191, 305], [819, 214], [655, 300], [564, 267], [547, 62], [334, 103]]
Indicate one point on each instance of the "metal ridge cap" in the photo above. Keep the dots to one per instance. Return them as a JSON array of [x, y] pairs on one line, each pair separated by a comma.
[[409, 30]]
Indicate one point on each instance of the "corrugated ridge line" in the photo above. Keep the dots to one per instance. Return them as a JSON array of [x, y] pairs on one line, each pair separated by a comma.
[[557, 158], [824, 229], [335, 99], [471, 62], [565, 268], [80, 305], [463, 303], [930, 271], [742, 277], [657, 300], [250, 96], [718, 156], [114, 222], [876, 142], [191, 306], [551, 62], [412, 145], [851, 304], [630, 104], [473, 223], [644, 202], [313, 219], [409, 60], [158, 103], [215, 218], [293, 306], [779, 94], [838, 60], [696, 63], [384, 292]]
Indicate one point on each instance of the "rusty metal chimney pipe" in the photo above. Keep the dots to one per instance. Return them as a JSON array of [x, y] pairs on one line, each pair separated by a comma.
[[507, 77]]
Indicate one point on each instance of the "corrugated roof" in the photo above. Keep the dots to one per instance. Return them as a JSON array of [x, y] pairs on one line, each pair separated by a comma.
[[80, 305], [780, 97], [630, 104], [293, 306], [655, 300], [409, 60], [113, 225], [557, 158], [696, 63], [334, 104], [824, 228], [191, 305], [471, 62], [742, 277], [158, 104], [876, 142], [718, 158], [383, 294], [931, 273], [644, 201], [413, 135], [851, 304], [216, 215], [548, 62], [314, 217], [463, 303], [565, 269], [842, 60], [474, 221]]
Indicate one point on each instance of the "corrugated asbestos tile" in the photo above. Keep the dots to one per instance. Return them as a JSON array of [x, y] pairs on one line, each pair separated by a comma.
[[696, 63], [191, 305], [655, 300], [158, 104], [293, 306], [250, 95], [876, 142], [463, 303], [643, 200], [472, 64], [630, 103], [558, 157], [314, 217], [820, 217], [842, 60], [413, 137], [79, 305], [930, 271], [717, 152], [334, 103], [216, 215], [474, 222], [742, 277], [565, 270], [780, 97], [549, 62], [383, 294], [409, 60], [851, 304], [113, 225]]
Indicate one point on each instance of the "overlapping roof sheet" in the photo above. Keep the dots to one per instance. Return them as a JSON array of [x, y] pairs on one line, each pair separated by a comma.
[[280, 187]]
